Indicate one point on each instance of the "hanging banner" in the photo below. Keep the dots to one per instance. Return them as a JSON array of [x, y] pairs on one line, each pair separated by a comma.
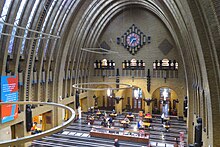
[[9, 93]]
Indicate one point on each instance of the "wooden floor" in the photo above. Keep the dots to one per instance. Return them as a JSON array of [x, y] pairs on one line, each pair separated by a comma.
[[77, 134]]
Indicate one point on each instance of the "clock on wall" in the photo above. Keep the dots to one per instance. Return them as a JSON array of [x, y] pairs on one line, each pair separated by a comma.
[[133, 39]]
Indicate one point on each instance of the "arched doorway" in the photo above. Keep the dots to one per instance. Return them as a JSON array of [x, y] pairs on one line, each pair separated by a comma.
[[165, 101], [104, 99], [137, 98]]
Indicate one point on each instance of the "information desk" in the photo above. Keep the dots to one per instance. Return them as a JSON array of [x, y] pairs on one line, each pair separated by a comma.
[[132, 138]]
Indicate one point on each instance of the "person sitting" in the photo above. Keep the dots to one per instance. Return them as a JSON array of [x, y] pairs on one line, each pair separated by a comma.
[[156, 110], [167, 125], [98, 111], [91, 120], [35, 129], [92, 110], [105, 114], [148, 114], [89, 111], [109, 122], [113, 111], [130, 116], [125, 122], [104, 122], [98, 114], [126, 119], [140, 124]]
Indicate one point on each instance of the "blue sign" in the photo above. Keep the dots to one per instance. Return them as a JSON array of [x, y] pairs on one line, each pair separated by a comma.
[[9, 93]]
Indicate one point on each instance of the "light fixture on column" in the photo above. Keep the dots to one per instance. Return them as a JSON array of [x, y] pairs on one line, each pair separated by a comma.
[[117, 99], [94, 96], [60, 98], [149, 100], [176, 101]]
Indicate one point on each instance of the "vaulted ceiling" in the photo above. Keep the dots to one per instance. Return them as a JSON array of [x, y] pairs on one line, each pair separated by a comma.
[[70, 25]]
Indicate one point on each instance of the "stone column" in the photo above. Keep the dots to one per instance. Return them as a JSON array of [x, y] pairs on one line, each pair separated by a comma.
[[118, 107], [148, 108]]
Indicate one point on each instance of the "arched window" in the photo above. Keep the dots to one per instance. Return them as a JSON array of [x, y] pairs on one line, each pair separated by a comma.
[[137, 93], [16, 22], [54, 22], [133, 62], [104, 62], [30, 19]]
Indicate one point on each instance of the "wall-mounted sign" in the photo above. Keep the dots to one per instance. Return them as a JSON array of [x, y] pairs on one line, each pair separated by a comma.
[[9, 93]]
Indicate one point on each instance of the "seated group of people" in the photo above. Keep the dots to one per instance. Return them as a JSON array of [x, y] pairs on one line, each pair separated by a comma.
[[145, 122], [107, 122]]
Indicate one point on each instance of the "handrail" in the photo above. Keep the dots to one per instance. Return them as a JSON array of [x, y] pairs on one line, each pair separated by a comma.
[[40, 135]]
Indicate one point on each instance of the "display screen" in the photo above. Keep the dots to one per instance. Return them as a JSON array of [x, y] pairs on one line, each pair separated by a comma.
[[9, 93]]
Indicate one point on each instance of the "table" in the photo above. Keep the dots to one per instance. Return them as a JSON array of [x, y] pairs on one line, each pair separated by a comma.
[[121, 137], [113, 115], [130, 117], [146, 124], [166, 127], [124, 123], [166, 119], [148, 116]]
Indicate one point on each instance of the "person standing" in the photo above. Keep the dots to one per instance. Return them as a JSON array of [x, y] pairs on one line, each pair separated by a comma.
[[80, 112], [162, 118], [116, 144], [176, 143]]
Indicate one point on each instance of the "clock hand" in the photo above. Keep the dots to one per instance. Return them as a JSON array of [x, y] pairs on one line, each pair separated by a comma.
[[133, 39]]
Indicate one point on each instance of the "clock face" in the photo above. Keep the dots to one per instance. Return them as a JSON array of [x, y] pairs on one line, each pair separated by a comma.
[[133, 40]]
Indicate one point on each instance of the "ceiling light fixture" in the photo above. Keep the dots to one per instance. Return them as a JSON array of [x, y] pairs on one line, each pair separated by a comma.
[[99, 50]]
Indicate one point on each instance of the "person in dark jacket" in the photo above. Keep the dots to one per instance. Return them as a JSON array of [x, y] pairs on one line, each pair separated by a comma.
[[116, 144]]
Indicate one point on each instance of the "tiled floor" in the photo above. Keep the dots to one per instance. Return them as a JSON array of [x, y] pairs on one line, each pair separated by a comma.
[[77, 134]]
